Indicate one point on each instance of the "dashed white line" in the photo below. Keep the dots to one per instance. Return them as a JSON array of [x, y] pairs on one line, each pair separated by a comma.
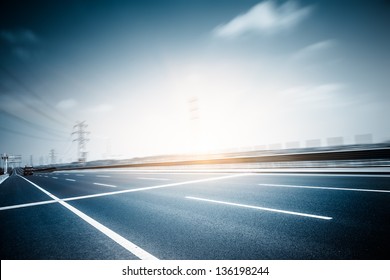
[[105, 185], [156, 187], [103, 176], [80, 175], [122, 191], [260, 208], [324, 188], [55, 177], [72, 180], [131, 247], [154, 179]]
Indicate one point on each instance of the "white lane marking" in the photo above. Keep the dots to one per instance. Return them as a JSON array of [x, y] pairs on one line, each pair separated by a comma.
[[324, 188], [72, 180], [27, 205], [131, 247], [154, 179], [103, 176], [106, 185], [319, 174], [125, 191], [46, 176], [55, 177], [155, 187], [4, 178], [260, 208], [66, 174], [266, 172], [80, 175]]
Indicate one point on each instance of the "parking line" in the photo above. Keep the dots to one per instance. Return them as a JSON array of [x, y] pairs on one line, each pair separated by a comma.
[[324, 188], [131, 247], [260, 208], [105, 185]]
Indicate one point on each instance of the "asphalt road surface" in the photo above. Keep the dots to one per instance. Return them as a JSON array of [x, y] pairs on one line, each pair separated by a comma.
[[136, 214]]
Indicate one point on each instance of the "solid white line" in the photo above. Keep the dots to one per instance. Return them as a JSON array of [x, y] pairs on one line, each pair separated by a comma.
[[324, 188], [319, 174], [131, 247], [103, 176], [155, 187], [155, 179], [4, 178], [72, 180], [124, 191], [261, 208], [106, 185], [27, 205]]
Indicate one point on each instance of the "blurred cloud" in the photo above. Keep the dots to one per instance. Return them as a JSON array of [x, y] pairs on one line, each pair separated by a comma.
[[18, 37], [265, 17], [313, 93], [22, 53], [313, 49], [22, 42], [102, 108], [66, 104]]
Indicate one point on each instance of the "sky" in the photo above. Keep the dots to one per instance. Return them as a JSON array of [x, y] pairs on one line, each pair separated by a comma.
[[169, 77]]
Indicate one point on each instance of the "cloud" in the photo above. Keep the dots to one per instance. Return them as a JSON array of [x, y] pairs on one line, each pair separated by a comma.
[[314, 93], [19, 37], [102, 108], [314, 49], [22, 53], [23, 43], [265, 17], [66, 104]]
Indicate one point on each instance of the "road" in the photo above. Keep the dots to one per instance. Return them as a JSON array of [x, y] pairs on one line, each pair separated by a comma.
[[139, 214]]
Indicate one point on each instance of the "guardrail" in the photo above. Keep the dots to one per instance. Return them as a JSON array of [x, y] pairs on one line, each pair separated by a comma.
[[342, 158]]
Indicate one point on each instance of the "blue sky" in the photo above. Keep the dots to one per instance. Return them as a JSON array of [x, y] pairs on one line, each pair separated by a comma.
[[261, 72]]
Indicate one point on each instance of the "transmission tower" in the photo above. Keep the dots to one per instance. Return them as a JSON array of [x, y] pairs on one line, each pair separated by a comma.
[[52, 156], [193, 103], [81, 138]]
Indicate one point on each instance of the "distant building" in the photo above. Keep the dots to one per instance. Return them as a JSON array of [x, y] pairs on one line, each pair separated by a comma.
[[363, 139], [276, 146], [292, 145], [335, 141], [313, 143]]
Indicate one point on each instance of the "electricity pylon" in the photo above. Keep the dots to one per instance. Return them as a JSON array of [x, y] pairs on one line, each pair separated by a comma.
[[81, 139]]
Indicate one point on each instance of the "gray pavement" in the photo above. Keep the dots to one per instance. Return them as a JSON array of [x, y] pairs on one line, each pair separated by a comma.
[[139, 214]]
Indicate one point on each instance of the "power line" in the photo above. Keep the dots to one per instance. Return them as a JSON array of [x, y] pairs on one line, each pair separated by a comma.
[[37, 96], [28, 135], [54, 132]]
